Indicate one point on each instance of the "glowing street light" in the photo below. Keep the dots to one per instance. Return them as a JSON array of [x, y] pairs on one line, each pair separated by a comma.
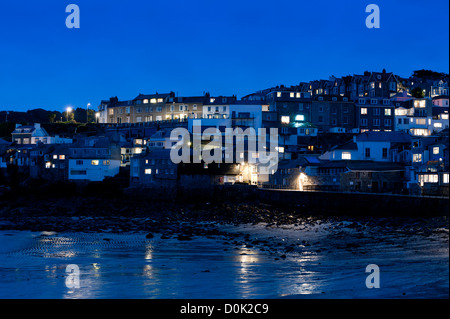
[[87, 116], [68, 111]]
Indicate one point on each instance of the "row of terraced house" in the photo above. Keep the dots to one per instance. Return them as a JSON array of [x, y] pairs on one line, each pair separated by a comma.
[[360, 133]]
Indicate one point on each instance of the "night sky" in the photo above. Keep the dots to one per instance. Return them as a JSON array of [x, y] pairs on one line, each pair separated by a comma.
[[225, 47]]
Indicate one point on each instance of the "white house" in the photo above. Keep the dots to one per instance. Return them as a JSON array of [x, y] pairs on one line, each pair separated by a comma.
[[93, 159], [217, 107], [33, 134], [247, 114], [374, 146]]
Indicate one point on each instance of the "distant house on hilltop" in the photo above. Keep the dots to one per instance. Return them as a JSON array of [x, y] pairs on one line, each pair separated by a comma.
[[33, 134]]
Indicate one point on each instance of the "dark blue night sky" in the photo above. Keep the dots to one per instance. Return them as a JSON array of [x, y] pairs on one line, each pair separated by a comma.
[[226, 47]]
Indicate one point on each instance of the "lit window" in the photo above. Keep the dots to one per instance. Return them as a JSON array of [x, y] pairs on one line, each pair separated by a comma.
[[435, 150], [145, 101], [95, 162], [292, 94], [105, 162], [421, 121], [445, 178], [363, 111], [417, 158], [148, 171], [48, 165], [160, 100], [55, 156], [419, 104], [278, 94], [285, 119], [298, 95], [299, 117], [437, 124], [387, 112], [346, 156]]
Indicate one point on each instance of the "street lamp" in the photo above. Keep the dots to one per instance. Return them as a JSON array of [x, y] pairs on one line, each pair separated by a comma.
[[68, 111], [87, 114]]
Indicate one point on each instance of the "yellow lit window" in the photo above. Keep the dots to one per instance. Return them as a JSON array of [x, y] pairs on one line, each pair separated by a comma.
[[95, 162], [346, 156]]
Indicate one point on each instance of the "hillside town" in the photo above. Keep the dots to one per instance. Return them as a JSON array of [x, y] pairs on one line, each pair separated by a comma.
[[375, 132]]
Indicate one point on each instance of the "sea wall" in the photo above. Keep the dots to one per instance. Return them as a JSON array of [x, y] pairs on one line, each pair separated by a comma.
[[363, 204], [318, 202]]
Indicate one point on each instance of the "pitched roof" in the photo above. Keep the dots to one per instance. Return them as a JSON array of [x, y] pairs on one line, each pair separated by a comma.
[[363, 165], [350, 145], [373, 136], [150, 96]]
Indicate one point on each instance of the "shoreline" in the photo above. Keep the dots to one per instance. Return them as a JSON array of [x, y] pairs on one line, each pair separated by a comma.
[[187, 220], [330, 252]]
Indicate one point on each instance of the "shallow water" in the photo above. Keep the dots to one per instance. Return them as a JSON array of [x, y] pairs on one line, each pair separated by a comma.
[[33, 265]]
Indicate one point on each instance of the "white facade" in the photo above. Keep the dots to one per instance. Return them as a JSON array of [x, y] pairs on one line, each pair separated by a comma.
[[93, 170], [211, 111], [250, 114]]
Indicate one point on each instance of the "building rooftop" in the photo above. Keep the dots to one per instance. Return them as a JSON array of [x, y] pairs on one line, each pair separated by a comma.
[[383, 136]]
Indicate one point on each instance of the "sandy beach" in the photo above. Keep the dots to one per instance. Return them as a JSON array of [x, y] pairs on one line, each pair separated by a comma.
[[221, 251]]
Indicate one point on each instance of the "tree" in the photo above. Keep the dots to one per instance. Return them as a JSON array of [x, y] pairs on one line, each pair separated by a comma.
[[429, 74], [417, 92], [52, 118], [91, 116], [69, 116]]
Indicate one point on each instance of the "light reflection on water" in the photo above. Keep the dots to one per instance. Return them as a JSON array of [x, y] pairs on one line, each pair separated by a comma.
[[129, 266], [33, 265]]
